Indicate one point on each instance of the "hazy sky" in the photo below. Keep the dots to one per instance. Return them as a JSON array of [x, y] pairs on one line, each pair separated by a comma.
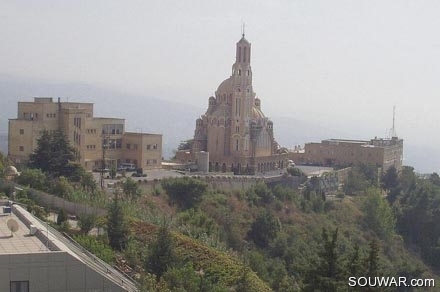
[[344, 63]]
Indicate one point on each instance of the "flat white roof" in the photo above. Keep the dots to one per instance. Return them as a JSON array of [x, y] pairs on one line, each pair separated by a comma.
[[21, 241]]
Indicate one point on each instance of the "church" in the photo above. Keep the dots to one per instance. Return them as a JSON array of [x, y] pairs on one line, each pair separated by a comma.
[[234, 131]]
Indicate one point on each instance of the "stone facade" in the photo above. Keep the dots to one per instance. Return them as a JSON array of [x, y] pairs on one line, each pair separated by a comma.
[[92, 137], [337, 152], [234, 130]]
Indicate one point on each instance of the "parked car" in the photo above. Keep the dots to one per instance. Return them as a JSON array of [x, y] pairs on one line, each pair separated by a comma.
[[139, 173], [126, 167]]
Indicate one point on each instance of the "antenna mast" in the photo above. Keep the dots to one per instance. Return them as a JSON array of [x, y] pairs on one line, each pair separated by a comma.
[[393, 129]]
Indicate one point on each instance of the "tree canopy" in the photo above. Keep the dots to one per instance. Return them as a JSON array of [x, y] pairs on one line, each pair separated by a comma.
[[185, 191], [53, 155]]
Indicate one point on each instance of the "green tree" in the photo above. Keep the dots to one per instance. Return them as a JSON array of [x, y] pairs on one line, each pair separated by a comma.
[[53, 154], [97, 246], [3, 164], [63, 188], [113, 172], [360, 178], [259, 195], [354, 266], [185, 191], [185, 145], [435, 179], [33, 178], [264, 229], [183, 278], [390, 179], [62, 217], [326, 275], [86, 222], [373, 259], [117, 229], [130, 188], [88, 183], [378, 214], [161, 256]]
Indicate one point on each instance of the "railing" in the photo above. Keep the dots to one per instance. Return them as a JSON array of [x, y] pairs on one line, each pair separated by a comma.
[[91, 260]]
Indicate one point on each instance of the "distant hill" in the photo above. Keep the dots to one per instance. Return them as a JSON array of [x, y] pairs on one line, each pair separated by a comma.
[[175, 120]]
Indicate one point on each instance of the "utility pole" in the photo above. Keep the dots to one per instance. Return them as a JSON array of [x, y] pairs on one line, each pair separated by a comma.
[[104, 145]]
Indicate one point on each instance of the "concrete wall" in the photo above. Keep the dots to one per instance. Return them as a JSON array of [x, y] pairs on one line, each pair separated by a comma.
[[54, 202], [52, 272]]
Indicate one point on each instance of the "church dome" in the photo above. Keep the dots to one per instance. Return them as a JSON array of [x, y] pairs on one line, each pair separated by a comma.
[[257, 113], [225, 86]]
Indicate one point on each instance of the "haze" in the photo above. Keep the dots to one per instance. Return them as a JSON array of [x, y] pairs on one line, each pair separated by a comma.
[[342, 64]]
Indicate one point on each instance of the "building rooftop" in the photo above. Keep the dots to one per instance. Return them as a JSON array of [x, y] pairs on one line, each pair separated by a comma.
[[48, 240], [346, 141], [21, 241]]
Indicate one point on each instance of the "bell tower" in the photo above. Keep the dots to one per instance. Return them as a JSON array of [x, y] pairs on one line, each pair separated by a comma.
[[241, 69]]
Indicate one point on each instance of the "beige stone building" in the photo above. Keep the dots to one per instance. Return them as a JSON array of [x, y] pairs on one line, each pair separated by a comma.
[[93, 138], [338, 152], [234, 130]]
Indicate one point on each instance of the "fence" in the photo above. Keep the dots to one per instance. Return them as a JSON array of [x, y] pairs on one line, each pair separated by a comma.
[[53, 202]]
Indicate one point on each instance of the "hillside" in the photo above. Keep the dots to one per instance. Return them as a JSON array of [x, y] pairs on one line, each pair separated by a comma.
[[279, 234], [181, 235]]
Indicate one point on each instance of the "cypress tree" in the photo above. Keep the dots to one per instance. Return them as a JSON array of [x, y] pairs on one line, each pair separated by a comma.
[[116, 226]]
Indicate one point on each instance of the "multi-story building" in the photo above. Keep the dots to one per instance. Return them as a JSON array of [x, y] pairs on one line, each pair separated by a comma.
[[94, 139], [35, 257], [338, 152], [234, 130]]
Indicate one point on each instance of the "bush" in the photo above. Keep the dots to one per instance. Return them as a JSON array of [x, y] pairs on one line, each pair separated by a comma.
[[186, 191], [86, 222]]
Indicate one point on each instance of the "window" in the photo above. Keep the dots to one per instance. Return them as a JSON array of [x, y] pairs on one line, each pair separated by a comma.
[[128, 146], [19, 286], [21, 148], [21, 131], [148, 147]]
